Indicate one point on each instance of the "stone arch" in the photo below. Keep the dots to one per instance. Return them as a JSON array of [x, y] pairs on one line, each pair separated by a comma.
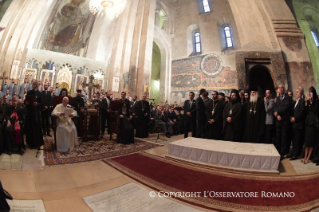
[[163, 17], [260, 76], [163, 41]]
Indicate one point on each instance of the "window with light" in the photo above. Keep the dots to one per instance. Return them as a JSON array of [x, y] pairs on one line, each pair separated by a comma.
[[228, 36], [206, 6], [197, 42], [315, 38]]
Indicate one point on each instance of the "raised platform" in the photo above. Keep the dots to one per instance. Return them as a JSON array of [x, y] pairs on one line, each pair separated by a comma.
[[250, 157]]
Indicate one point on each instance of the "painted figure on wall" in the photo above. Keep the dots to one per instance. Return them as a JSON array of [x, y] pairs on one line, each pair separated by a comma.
[[69, 27], [79, 81]]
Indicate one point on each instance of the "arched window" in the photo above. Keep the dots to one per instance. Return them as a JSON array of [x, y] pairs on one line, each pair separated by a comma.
[[197, 43], [228, 37], [206, 6], [315, 38]]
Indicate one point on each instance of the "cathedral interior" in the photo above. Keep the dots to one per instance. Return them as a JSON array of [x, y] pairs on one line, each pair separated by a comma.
[[165, 49]]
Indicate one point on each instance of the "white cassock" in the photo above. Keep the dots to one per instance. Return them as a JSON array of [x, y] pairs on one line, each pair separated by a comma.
[[66, 134]]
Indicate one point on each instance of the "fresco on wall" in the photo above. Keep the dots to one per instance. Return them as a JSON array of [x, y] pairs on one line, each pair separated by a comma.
[[69, 28], [204, 71], [294, 44]]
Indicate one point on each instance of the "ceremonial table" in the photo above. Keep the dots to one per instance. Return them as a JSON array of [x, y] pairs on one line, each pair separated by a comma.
[[90, 119], [250, 157]]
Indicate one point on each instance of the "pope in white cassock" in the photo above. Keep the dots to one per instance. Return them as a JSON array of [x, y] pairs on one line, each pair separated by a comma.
[[66, 135]]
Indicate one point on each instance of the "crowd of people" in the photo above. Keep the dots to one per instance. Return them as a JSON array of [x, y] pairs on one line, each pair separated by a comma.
[[242, 117]]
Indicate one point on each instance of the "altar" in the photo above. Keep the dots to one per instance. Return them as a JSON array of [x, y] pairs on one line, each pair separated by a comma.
[[250, 157]]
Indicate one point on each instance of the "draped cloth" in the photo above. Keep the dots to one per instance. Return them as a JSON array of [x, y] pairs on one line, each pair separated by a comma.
[[66, 134]]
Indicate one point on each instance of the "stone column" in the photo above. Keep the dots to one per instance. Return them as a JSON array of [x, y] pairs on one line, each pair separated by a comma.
[[115, 68], [146, 47]]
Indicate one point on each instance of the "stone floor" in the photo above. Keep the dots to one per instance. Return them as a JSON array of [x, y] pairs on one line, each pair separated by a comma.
[[62, 187]]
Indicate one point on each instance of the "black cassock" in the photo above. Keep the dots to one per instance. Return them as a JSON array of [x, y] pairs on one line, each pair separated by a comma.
[[78, 103], [33, 128], [142, 121], [254, 121], [214, 110], [232, 129], [125, 127]]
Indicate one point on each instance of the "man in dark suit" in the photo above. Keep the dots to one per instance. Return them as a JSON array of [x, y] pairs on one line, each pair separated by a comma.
[[45, 113], [297, 121], [124, 99], [200, 113], [190, 115], [133, 104], [172, 120], [108, 118], [283, 110], [103, 112], [132, 110]]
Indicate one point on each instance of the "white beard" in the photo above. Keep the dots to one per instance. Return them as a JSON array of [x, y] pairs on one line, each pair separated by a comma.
[[254, 99]]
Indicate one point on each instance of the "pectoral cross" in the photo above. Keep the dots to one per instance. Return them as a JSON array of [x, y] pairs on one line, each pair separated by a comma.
[[90, 86]]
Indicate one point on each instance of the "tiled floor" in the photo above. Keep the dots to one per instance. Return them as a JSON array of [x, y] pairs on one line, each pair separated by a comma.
[[62, 187]]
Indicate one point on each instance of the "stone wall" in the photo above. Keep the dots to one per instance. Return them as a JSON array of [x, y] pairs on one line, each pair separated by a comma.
[[186, 13]]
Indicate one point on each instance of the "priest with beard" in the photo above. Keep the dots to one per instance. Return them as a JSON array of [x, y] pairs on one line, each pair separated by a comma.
[[254, 118], [232, 117], [142, 111], [33, 129], [214, 118]]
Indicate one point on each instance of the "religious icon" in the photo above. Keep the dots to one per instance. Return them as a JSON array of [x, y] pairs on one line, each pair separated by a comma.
[[146, 92], [46, 76], [79, 81]]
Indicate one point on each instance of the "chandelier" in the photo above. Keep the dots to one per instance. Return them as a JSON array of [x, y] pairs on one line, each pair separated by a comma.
[[110, 8]]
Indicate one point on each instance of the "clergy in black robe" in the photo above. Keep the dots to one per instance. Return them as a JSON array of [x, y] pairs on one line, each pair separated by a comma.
[[1, 123], [254, 118], [78, 103], [126, 130], [103, 115], [93, 126], [214, 118], [14, 118], [232, 118], [33, 129], [142, 112]]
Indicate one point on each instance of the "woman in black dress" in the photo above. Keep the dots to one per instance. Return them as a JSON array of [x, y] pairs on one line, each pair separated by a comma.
[[312, 108], [125, 127]]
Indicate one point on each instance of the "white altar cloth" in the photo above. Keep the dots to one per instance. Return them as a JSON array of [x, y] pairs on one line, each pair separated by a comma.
[[234, 155]]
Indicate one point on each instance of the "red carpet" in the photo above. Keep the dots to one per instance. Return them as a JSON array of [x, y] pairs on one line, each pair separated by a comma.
[[170, 176]]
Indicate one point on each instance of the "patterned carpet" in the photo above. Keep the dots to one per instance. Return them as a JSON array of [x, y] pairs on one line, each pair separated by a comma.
[[96, 150]]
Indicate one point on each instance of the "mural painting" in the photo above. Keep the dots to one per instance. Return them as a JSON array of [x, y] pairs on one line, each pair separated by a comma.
[[294, 44], [205, 71], [69, 28]]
